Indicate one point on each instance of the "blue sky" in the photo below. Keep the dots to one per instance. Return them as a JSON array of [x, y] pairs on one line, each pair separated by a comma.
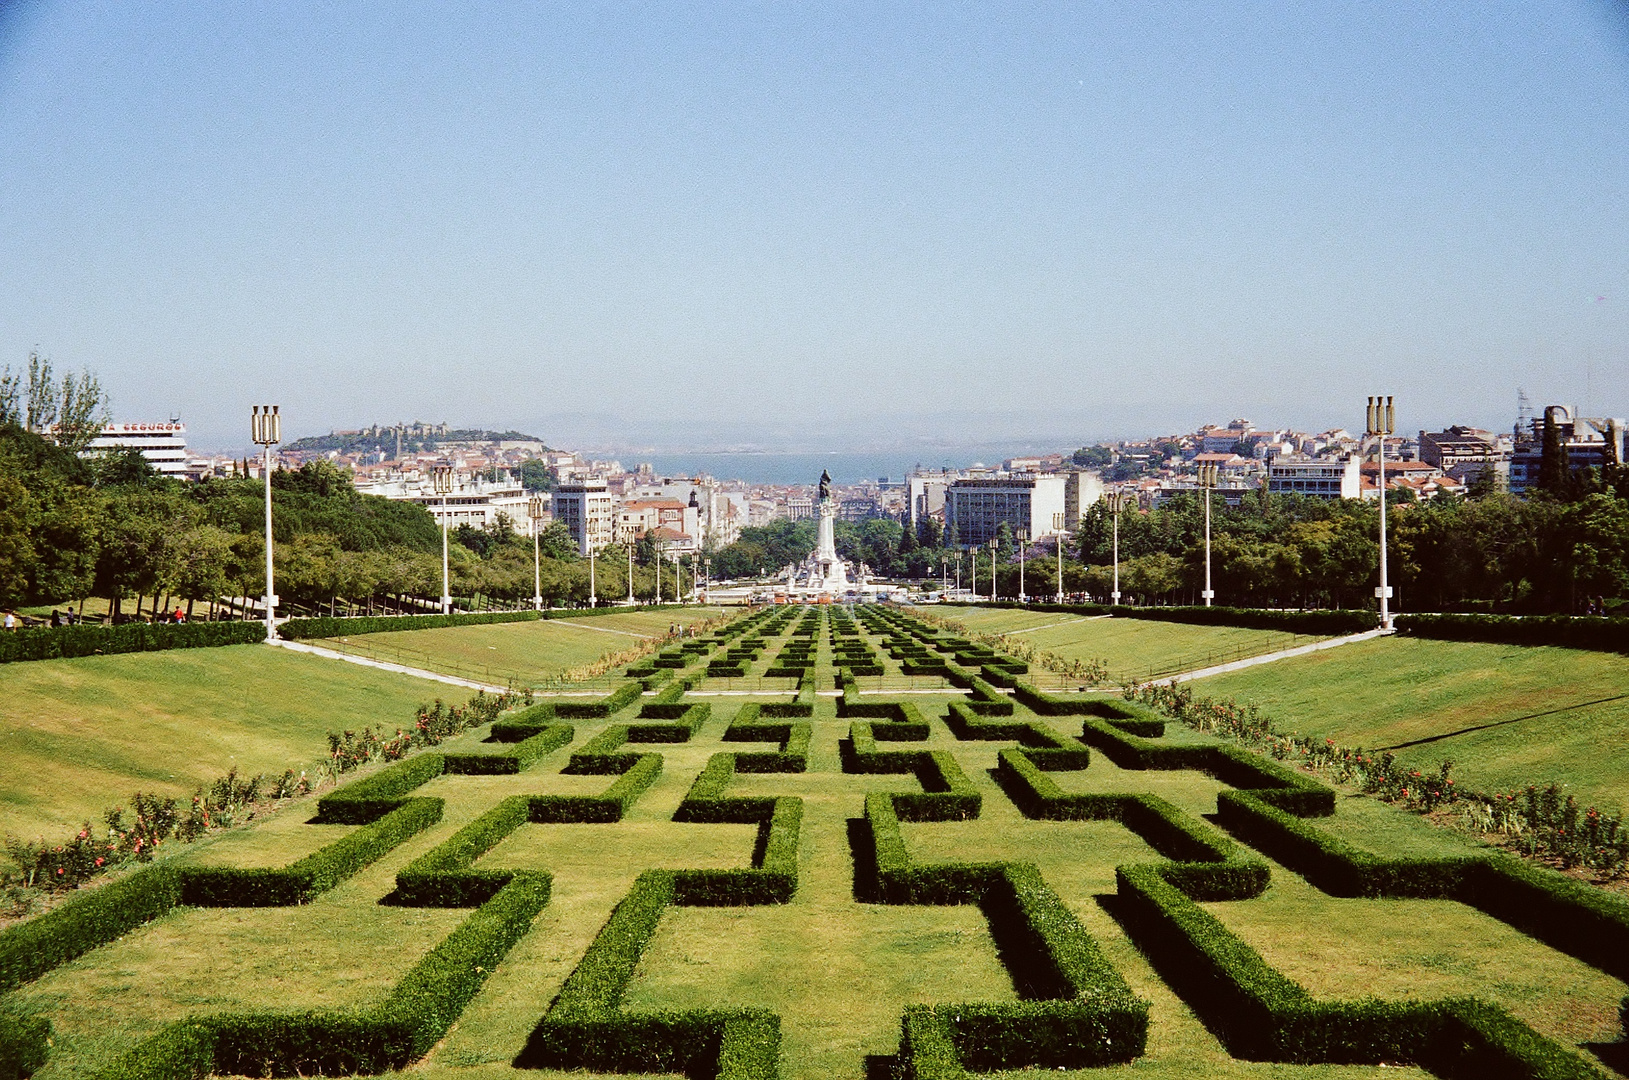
[[789, 224]]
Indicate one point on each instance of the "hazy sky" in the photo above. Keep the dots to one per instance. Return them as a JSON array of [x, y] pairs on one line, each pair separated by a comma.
[[690, 223]]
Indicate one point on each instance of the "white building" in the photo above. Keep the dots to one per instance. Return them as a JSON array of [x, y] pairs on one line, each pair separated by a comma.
[[164, 445], [480, 504], [975, 509], [588, 511], [1320, 478]]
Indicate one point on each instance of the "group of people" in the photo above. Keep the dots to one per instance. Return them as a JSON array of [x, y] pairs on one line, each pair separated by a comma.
[[13, 621]]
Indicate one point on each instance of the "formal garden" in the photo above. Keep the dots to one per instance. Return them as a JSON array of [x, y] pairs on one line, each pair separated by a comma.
[[808, 842]]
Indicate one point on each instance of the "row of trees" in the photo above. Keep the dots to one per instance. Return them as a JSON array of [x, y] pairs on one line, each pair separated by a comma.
[[1564, 549], [108, 526]]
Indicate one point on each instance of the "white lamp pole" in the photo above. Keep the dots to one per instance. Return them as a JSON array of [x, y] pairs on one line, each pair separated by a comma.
[[992, 571], [1057, 523], [630, 575], [1207, 481], [534, 510], [593, 601], [1115, 500], [973, 570], [1382, 422], [1023, 542], [658, 561], [266, 428], [442, 478]]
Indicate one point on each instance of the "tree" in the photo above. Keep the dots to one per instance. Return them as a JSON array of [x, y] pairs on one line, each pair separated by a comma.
[[1553, 463], [535, 475], [1093, 457], [71, 412], [555, 542]]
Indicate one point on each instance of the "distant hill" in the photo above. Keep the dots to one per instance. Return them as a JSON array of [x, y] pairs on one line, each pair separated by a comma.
[[415, 438]]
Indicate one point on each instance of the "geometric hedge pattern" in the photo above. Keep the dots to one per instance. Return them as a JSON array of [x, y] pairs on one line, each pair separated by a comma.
[[1070, 1008]]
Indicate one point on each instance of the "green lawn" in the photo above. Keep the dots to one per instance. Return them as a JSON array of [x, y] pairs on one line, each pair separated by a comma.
[[1133, 648], [78, 736], [1506, 715], [836, 970], [521, 653]]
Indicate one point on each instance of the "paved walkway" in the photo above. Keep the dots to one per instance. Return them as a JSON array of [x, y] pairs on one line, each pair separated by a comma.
[[602, 629], [418, 673], [1268, 658]]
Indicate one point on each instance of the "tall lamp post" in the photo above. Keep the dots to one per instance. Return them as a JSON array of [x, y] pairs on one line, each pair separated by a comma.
[[266, 428], [534, 510], [593, 601], [1023, 542], [973, 570], [1057, 524], [993, 546], [1382, 422], [1117, 501], [1207, 483], [441, 478]]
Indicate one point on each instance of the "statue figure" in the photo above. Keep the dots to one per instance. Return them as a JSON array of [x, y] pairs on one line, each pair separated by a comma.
[[825, 485]]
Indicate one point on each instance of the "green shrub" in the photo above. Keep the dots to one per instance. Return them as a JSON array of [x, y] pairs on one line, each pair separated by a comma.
[[370, 798], [638, 772], [209, 886], [90, 918], [351, 626], [25, 1042], [60, 642], [1595, 632], [442, 876], [612, 703], [525, 754]]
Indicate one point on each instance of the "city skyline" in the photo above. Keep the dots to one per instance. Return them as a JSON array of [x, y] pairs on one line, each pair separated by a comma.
[[704, 227]]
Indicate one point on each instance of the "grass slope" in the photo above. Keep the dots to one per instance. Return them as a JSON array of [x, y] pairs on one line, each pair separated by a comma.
[[1133, 648], [77, 736], [1506, 715], [522, 653]]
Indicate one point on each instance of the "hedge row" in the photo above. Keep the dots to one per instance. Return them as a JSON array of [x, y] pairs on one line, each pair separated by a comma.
[[946, 795], [1127, 716], [1568, 631], [1045, 747], [25, 1043], [442, 876], [792, 750], [1261, 1015], [1079, 1012], [638, 772], [612, 703], [586, 1029], [1351, 621], [57, 642], [351, 626], [773, 875], [404, 1027], [297, 883], [1270, 781], [92, 917], [1566, 914], [527, 751], [369, 799]]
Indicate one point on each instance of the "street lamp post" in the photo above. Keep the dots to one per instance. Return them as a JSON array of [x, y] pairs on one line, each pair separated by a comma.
[[1023, 542], [657, 548], [1382, 422], [958, 573], [993, 546], [630, 576], [266, 428], [534, 510], [1057, 524], [973, 570], [593, 601], [1116, 503], [441, 478], [1207, 482]]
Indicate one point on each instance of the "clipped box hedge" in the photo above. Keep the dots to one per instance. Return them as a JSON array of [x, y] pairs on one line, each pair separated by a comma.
[[61, 642], [1597, 632]]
